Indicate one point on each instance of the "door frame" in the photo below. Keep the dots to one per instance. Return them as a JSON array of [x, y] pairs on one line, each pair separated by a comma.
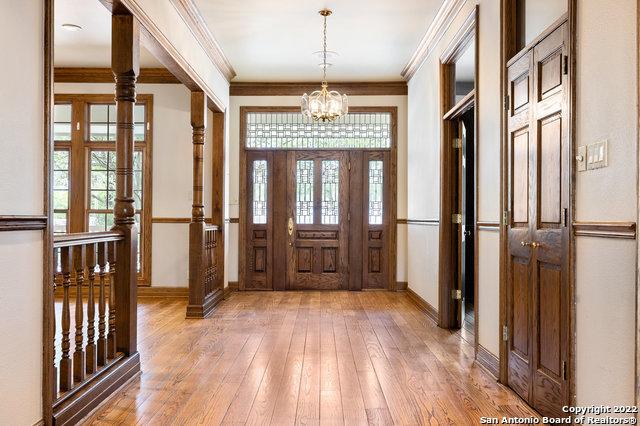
[[449, 111], [509, 36], [393, 185]]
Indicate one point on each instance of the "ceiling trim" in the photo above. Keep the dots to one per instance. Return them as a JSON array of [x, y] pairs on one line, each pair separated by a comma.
[[105, 75], [161, 47], [436, 30], [374, 88], [192, 16]]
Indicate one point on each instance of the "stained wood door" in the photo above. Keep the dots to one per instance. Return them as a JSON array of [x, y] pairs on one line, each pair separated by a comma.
[[538, 238], [317, 227]]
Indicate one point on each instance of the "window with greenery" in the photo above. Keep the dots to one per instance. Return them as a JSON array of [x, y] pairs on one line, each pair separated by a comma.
[[85, 168]]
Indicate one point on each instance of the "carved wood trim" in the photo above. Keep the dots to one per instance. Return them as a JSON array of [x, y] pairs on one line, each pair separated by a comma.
[[192, 16], [434, 33], [625, 230], [105, 75], [295, 89], [23, 223], [488, 361], [423, 305]]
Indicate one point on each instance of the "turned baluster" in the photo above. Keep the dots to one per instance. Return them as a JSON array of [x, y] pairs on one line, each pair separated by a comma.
[[92, 361], [102, 339], [56, 279], [66, 378], [111, 339], [79, 355]]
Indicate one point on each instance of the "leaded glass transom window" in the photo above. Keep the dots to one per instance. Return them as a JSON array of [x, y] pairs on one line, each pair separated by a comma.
[[330, 191], [260, 191], [291, 130], [304, 191], [376, 181]]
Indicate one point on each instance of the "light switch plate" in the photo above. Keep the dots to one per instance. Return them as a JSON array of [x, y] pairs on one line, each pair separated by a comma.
[[581, 158], [597, 155]]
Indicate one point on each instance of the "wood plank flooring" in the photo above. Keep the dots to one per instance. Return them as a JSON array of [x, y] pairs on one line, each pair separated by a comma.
[[313, 358]]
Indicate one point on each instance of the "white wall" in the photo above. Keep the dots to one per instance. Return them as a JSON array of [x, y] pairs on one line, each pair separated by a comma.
[[605, 268], [172, 175], [21, 192], [233, 161]]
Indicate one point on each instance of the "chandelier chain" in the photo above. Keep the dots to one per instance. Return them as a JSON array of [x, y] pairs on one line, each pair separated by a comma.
[[324, 50]]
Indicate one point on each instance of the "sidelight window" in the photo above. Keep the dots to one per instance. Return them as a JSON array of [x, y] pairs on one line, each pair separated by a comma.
[[304, 191], [60, 191], [260, 191], [330, 191], [376, 185]]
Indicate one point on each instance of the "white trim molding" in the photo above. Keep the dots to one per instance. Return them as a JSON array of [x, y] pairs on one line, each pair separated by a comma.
[[438, 26], [192, 16]]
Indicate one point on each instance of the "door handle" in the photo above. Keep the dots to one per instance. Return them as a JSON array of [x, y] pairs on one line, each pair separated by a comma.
[[290, 226]]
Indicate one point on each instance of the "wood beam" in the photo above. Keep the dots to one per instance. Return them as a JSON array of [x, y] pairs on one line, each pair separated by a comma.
[[105, 75], [373, 88]]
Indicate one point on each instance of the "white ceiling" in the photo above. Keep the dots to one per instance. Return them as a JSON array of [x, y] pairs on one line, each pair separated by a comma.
[[90, 47], [274, 40]]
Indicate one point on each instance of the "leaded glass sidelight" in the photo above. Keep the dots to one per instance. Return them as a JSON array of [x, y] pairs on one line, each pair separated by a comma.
[[330, 191], [260, 176], [304, 191], [289, 130], [376, 181]]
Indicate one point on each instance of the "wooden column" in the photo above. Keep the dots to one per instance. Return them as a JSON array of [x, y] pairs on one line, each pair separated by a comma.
[[125, 50], [197, 225], [218, 198]]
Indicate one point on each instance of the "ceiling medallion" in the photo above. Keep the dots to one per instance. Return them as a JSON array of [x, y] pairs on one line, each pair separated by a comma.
[[324, 104]]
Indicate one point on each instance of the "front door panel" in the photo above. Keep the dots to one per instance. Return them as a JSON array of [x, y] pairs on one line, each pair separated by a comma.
[[317, 227]]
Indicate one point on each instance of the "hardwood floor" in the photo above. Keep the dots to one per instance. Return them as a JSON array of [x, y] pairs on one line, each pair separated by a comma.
[[304, 358]]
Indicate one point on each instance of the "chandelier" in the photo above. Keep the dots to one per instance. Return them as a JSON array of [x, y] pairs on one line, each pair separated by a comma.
[[324, 104]]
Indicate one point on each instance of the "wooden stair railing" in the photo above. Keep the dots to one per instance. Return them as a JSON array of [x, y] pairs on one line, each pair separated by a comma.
[[85, 277]]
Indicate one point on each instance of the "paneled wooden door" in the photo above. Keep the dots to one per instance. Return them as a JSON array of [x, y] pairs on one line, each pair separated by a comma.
[[318, 220], [538, 239]]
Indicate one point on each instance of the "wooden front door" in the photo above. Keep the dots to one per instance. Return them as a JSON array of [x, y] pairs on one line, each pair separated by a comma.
[[538, 239], [318, 216]]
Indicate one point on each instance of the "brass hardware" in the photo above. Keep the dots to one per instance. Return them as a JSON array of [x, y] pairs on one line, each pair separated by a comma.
[[456, 294], [349, 165], [505, 333], [457, 143], [531, 244], [325, 12], [290, 226], [456, 218], [505, 217]]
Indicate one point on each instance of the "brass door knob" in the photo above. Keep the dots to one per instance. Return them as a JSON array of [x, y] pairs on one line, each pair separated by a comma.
[[531, 244]]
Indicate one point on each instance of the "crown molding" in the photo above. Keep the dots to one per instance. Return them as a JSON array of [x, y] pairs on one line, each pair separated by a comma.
[[105, 75], [374, 88], [436, 30], [192, 16]]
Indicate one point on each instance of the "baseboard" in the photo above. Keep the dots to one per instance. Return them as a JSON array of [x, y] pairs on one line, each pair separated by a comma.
[[204, 310], [488, 361], [71, 408], [423, 305], [401, 285], [233, 285], [182, 292]]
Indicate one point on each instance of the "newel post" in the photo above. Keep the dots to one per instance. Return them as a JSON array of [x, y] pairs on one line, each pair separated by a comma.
[[125, 49], [197, 225]]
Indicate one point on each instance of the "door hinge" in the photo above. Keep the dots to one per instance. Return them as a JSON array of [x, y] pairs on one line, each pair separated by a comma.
[[565, 65], [457, 143], [78, 125], [505, 217], [148, 126], [456, 294], [564, 217], [505, 333], [349, 165], [349, 216], [506, 103], [564, 370], [456, 218]]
